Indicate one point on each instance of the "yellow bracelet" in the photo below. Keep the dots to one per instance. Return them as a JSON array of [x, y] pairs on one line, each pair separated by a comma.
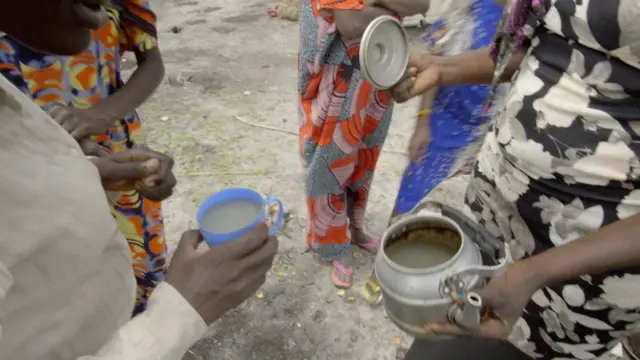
[[423, 112]]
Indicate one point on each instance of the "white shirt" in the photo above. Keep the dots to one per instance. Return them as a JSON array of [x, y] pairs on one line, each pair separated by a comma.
[[67, 287]]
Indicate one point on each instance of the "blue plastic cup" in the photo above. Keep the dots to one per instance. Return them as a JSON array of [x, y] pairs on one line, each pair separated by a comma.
[[228, 195]]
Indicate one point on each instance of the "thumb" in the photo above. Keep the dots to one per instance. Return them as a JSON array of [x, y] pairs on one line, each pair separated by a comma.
[[187, 245], [189, 241]]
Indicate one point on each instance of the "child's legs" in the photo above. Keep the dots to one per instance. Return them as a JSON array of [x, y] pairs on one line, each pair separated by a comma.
[[140, 220]]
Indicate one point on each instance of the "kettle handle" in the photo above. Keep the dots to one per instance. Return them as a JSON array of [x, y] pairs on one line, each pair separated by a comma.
[[486, 242], [476, 233]]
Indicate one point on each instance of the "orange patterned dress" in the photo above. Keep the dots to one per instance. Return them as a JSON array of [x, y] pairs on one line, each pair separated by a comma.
[[82, 81], [343, 124]]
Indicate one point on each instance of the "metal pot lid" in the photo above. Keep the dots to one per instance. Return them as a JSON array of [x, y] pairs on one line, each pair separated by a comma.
[[384, 52]]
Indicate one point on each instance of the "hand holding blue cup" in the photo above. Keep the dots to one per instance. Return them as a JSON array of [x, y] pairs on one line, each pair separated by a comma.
[[231, 213]]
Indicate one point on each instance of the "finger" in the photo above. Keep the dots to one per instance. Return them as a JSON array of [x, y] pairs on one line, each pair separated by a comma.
[[418, 61], [57, 113], [490, 329], [261, 260], [154, 193], [68, 123], [247, 244], [424, 81], [188, 243], [129, 171], [79, 132], [404, 87], [134, 155], [166, 180], [91, 148], [166, 165]]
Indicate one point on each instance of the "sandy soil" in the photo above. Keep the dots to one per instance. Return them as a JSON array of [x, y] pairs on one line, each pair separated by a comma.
[[227, 60]]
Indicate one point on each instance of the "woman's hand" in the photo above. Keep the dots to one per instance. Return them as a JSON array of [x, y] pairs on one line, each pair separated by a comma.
[[419, 143], [505, 297], [80, 123], [422, 75]]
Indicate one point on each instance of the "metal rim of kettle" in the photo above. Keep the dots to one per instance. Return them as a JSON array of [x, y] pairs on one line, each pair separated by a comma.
[[364, 46], [402, 222]]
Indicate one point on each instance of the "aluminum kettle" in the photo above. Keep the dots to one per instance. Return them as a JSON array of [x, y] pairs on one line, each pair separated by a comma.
[[444, 293]]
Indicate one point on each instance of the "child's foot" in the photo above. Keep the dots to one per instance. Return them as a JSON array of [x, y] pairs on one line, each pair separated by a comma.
[[342, 272]]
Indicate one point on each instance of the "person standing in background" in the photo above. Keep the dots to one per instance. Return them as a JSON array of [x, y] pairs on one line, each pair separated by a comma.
[[452, 120], [343, 124], [86, 94]]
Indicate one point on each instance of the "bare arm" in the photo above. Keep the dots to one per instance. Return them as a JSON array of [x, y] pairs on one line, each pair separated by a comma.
[[403, 7], [426, 102], [473, 67], [613, 247], [352, 23], [144, 81]]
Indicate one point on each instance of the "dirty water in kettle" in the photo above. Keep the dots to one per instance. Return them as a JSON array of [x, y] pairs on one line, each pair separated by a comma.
[[422, 249]]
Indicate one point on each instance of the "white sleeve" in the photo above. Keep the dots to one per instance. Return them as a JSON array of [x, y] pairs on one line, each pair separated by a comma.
[[164, 331]]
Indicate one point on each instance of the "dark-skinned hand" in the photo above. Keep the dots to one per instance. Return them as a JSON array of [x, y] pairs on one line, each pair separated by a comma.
[[80, 123], [158, 186], [422, 74], [126, 170], [221, 278], [505, 297]]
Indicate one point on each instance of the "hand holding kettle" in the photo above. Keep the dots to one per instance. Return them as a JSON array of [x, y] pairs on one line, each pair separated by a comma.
[[505, 298]]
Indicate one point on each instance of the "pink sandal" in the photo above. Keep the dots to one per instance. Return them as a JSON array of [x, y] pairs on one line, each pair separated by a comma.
[[371, 245], [346, 271]]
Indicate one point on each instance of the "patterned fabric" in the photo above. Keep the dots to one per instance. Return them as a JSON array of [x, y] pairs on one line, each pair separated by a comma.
[[83, 80], [343, 125], [516, 27], [563, 161], [457, 122]]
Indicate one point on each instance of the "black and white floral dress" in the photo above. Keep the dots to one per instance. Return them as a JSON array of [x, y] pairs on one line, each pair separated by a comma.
[[563, 160]]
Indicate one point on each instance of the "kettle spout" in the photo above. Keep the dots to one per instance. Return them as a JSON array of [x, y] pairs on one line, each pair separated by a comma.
[[467, 314]]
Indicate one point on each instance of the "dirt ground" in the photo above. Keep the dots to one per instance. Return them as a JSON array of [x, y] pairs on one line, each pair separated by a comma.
[[227, 113], [228, 61]]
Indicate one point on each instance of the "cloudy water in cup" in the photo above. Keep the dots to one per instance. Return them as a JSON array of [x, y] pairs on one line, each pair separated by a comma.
[[231, 216]]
